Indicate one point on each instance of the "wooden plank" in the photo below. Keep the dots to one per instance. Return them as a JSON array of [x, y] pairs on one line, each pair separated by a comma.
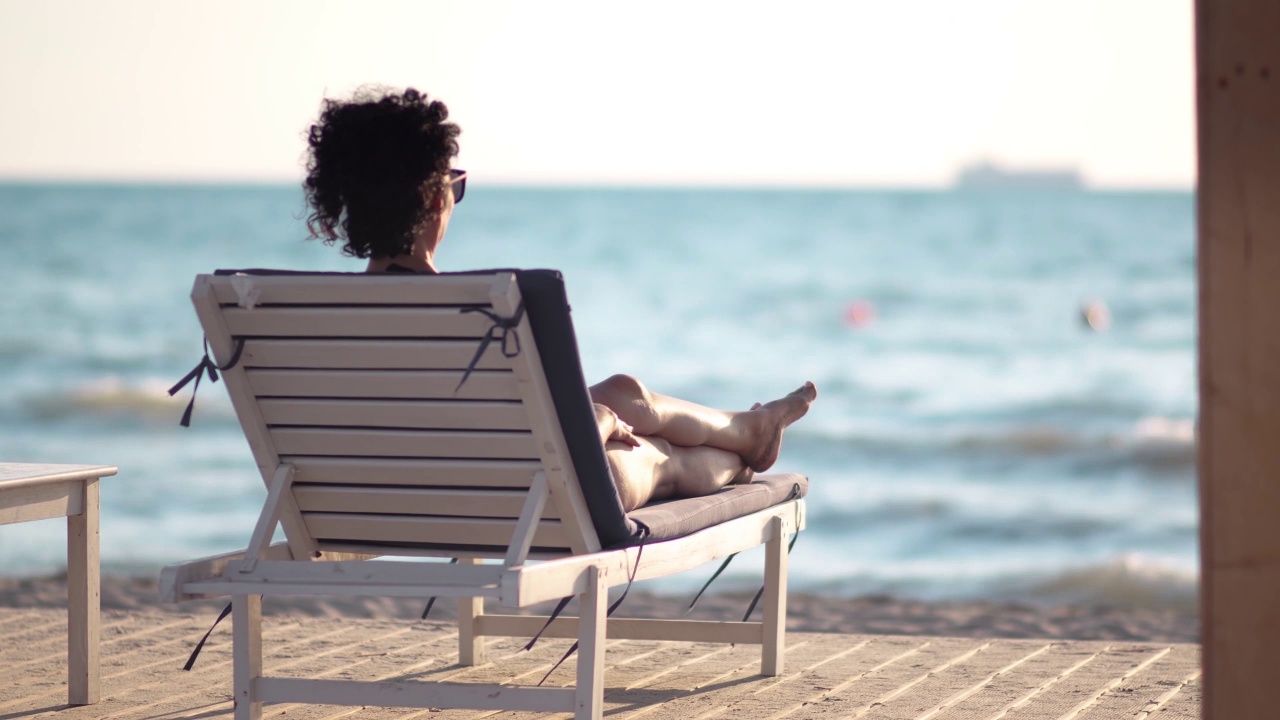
[[356, 289], [745, 633], [482, 502], [730, 681], [256, 585], [408, 384], [953, 689], [856, 693], [1238, 258], [1075, 691], [13, 475], [402, 443], [421, 472], [407, 693], [425, 414], [1183, 701], [366, 572], [1042, 667], [340, 322], [372, 354], [83, 599], [27, 502], [1148, 690], [425, 529]]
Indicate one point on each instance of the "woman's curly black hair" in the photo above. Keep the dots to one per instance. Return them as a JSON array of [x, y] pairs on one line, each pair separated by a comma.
[[370, 159]]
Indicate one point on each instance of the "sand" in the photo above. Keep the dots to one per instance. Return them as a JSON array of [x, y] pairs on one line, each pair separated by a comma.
[[806, 613]]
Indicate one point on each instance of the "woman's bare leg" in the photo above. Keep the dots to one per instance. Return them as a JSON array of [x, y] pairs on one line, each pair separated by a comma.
[[754, 435], [655, 469]]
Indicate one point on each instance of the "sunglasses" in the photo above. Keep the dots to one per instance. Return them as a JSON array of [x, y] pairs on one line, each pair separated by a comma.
[[458, 181]]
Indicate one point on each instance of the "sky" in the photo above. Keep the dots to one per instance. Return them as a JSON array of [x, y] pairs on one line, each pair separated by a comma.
[[836, 93]]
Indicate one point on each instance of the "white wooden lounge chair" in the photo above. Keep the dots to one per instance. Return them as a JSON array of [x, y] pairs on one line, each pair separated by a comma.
[[447, 416]]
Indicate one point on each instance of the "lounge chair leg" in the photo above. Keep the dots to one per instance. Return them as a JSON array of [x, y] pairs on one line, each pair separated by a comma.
[[775, 601], [591, 634], [246, 618], [470, 643]]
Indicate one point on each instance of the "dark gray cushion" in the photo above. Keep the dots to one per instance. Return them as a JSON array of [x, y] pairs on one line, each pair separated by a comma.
[[669, 519]]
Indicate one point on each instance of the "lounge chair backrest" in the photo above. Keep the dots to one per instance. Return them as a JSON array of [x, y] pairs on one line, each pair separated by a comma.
[[350, 391]]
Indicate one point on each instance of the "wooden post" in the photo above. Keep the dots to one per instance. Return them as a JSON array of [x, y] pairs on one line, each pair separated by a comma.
[[470, 642], [246, 632], [83, 599], [774, 630], [591, 635], [1238, 102]]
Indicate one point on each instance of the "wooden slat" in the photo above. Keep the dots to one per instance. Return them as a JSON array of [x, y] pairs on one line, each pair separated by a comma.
[[448, 472], [428, 414], [357, 528], [425, 384], [383, 354], [355, 322], [355, 290], [402, 443], [417, 501]]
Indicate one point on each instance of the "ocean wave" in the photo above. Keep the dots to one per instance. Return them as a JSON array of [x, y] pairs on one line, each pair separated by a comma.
[[1155, 444], [144, 399], [1128, 581]]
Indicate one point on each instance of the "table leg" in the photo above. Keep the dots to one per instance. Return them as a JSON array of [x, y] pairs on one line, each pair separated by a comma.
[[83, 600]]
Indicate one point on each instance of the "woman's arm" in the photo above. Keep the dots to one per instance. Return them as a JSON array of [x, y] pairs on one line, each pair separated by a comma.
[[612, 428]]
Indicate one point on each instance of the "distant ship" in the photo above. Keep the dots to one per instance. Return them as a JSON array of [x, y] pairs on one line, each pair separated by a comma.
[[989, 176]]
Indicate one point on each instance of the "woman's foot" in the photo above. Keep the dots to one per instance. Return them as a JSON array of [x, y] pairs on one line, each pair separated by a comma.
[[763, 425]]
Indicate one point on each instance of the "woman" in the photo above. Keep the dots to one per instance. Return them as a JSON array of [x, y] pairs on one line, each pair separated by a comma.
[[379, 180]]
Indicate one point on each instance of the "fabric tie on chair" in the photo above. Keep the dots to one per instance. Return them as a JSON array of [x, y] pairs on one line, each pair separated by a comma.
[[795, 493], [206, 365], [499, 330], [191, 661], [608, 613]]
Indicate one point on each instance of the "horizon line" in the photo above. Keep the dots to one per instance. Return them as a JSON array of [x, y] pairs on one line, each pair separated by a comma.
[[230, 182]]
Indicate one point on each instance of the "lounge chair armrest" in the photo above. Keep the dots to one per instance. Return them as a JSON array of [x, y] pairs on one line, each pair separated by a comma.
[[174, 578]]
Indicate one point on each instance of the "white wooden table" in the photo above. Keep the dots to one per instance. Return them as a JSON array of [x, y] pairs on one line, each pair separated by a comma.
[[37, 492]]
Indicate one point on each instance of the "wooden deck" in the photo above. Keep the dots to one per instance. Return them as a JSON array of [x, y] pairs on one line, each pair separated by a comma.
[[827, 675]]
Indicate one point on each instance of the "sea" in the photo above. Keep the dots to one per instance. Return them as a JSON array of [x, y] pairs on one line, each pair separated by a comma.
[[974, 437]]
